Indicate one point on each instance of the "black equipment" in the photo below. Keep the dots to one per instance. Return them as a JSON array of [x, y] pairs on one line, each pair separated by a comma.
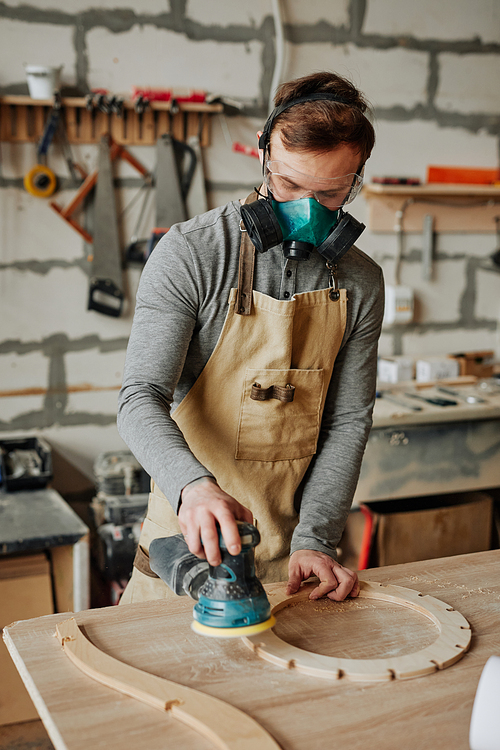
[[261, 222], [264, 231], [230, 600]]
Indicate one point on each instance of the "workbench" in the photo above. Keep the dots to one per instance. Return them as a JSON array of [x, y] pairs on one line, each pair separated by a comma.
[[437, 450], [301, 712], [40, 520]]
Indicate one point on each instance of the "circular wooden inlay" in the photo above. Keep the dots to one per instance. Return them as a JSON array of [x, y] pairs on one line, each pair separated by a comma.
[[388, 632]]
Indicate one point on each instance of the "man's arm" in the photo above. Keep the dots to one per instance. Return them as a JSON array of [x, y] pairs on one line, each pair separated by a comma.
[[164, 322], [332, 477]]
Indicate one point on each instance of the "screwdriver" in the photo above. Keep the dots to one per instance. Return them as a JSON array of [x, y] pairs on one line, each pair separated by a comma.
[[469, 398], [436, 401], [395, 400]]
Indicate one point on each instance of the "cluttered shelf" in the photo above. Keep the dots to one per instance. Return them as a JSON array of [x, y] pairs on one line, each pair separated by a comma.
[[432, 189], [441, 401], [23, 120], [445, 202]]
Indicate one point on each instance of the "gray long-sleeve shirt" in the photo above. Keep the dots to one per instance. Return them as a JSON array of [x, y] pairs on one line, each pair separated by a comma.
[[180, 311]]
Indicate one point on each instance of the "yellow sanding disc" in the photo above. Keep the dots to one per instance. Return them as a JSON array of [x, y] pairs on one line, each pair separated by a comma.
[[40, 181], [198, 627]]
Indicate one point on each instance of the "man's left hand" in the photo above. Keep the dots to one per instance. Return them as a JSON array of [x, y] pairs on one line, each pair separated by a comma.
[[336, 582]]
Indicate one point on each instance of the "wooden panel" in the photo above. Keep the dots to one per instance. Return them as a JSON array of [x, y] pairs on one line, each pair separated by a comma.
[[205, 131], [22, 120], [178, 126], [193, 124], [162, 123], [22, 128], [39, 118], [62, 576], [425, 534], [25, 591], [429, 459], [301, 712], [454, 208]]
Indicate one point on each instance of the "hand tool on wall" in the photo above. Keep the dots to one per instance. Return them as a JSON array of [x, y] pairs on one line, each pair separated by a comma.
[[230, 600], [172, 182], [495, 257], [135, 250], [115, 151], [196, 195], [106, 282], [170, 207], [427, 247], [41, 181]]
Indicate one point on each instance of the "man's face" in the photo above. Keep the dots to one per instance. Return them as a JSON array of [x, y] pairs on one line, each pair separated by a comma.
[[327, 176]]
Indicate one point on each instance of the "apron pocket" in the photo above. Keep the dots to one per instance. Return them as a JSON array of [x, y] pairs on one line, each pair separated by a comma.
[[272, 429]]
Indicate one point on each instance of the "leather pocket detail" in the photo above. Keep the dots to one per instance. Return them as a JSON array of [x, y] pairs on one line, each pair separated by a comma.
[[275, 430]]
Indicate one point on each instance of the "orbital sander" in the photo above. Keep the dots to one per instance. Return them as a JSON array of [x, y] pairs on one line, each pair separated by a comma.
[[230, 599]]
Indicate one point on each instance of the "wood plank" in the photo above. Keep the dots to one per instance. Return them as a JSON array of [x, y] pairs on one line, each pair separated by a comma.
[[39, 117], [25, 591], [479, 215], [224, 725], [62, 577], [300, 711], [148, 128], [205, 131], [101, 125], [84, 126], [193, 124], [178, 126], [117, 130], [162, 123], [86, 129]]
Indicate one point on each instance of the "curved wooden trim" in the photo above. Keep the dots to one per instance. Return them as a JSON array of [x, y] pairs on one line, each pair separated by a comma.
[[227, 727], [451, 644]]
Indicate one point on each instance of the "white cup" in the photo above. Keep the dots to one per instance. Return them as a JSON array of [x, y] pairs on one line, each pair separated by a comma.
[[43, 80]]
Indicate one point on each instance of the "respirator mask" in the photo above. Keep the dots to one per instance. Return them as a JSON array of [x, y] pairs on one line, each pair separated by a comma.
[[302, 211]]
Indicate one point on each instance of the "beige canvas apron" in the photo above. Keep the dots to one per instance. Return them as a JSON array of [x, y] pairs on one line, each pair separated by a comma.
[[257, 446]]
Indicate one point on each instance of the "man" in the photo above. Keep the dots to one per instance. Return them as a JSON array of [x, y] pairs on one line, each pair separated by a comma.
[[250, 376]]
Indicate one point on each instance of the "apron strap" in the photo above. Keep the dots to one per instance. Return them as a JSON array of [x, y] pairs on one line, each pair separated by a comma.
[[141, 562], [243, 305]]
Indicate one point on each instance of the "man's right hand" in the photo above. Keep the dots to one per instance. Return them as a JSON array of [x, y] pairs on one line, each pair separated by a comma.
[[203, 505]]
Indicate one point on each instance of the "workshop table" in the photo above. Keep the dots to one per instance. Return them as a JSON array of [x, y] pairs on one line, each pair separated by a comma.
[[301, 712], [38, 521], [432, 451]]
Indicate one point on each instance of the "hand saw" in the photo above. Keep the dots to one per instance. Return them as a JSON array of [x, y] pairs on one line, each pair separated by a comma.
[[106, 282]]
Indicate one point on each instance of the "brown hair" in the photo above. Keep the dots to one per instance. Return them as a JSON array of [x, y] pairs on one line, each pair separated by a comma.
[[322, 125]]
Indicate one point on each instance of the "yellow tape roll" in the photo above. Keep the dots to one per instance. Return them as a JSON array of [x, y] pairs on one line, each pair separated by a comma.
[[40, 181]]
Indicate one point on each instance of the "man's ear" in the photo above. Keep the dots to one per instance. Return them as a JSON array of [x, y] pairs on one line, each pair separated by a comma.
[[261, 151]]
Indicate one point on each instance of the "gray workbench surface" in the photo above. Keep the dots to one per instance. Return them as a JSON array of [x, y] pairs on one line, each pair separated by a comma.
[[389, 414], [37, 520]]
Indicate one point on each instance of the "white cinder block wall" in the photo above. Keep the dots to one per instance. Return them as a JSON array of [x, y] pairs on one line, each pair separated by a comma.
[[431, 71]]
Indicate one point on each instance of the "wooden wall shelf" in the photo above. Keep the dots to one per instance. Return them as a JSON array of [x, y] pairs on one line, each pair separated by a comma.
[[455, 208], [22, 120]]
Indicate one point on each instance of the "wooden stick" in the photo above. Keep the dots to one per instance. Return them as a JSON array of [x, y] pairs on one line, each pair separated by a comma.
[[227, 727]]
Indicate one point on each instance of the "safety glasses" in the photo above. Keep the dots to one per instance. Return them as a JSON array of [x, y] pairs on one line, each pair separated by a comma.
[[286, 184]]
